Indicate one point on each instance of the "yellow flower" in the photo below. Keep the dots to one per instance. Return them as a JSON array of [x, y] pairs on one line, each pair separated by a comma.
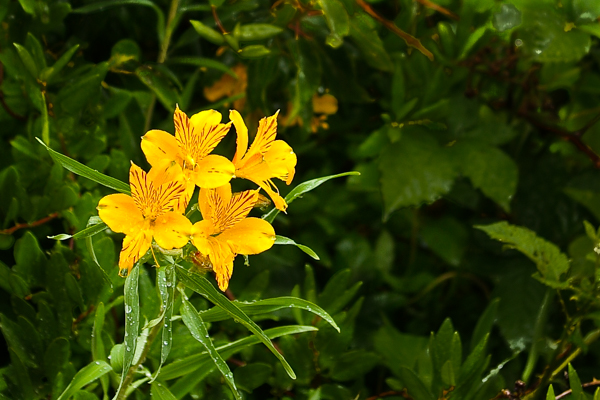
[[146, 214], [267, 158], [229, 86], [188, 153], [225, 230]]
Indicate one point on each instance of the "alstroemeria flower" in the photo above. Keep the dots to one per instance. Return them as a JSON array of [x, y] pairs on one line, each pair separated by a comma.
[[267, 158], [146, 214], [188, 153], [226, 231]]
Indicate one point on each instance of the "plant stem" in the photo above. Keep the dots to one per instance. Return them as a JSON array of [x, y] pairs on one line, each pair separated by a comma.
[[122, 394], [162, 55]]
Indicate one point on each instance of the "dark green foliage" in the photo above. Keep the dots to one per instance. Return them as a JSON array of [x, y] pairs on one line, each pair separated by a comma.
[[459, 264]]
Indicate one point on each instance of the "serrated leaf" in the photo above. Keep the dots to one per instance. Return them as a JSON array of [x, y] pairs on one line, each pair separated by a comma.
[[202, 286], [415, 170], [550, 261]]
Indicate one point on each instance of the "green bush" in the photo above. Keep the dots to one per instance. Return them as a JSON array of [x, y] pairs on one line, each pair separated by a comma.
[[460, 259]]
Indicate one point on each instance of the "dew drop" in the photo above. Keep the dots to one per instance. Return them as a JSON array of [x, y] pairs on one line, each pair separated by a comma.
[[127, 309], [165, 343]]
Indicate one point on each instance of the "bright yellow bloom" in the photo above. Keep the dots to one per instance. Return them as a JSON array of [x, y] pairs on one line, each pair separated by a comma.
[[188, 153], [225, 230], [146, 214], [267, 158]]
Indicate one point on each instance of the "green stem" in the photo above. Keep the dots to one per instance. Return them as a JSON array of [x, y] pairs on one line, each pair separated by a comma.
[[122, 394], [162, 55], [591, 337]]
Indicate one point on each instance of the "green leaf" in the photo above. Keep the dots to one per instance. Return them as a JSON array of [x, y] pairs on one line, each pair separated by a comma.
[[337, 19], [446, 237], [506, 18], [283, 240], [160, 392], [85, 376], [82, 234], [267, 306], [473, 39], [28, 6], [160, 86], [415, 170], [415, 387], [27, 60], [208, 33], [485, 323], [368, 41], [550, 262], [85, 171], [550, 395], [202, 63], [192, 363], [575, 384], [80, 92], [251, 376], [489, 169], [37, 52], [587, 198], [252, 32], [132, 319], [194, 323], [302, 188], [166, 282], [254, 51], [98, 350], [48, 73], [202, 286], [103, 5]]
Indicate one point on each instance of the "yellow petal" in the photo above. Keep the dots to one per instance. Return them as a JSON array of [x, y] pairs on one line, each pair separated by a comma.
[[120, 213], [236, 210], [159, 145], [221, 258], [267, 130], [221, 88], [278, 201], [208, 131], [165, 171], [281, 160], [249, 236], [172, 230], [185, 197], [326, 104], [212, 202], [212, 171], [242, 135], [134, 247]]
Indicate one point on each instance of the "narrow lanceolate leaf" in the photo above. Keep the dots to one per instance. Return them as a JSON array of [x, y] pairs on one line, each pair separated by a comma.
[[27, 60], [45, 121], [284, 240], [204, 63], [194, 323], [160, 392], [201, 285], [166, 281], [550, 261], [303, 188], [85, 171], [132, 318], [82, 234], [85, 376], [98, 350], [267, 306], [49, 72], [194, 362]]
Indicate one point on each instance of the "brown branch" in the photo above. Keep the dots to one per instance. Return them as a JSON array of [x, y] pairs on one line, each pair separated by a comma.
[[573, 137], [10, 231], [217, 20], [391, 393], [409, 39], [594, 382], [438, 8], [82, 316]]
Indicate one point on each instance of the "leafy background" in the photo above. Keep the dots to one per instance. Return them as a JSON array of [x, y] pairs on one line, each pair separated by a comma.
[[468, 121]]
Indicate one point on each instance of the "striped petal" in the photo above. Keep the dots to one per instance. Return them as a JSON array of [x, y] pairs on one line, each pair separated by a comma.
[[172, 230], [249, 236], [212, 171], [281, 160], [267, 130], [134, 247], [120, 213], [158, 146], [242, 135]]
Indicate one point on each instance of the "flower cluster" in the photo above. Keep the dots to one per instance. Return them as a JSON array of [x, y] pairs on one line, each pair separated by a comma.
[[155, 210]]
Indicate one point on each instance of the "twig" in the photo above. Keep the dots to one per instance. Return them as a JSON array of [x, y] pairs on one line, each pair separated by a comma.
[[409, 39], [217, 20], [595, 382], [391, 393], [438, 8], [42, 221], [573, 137]]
